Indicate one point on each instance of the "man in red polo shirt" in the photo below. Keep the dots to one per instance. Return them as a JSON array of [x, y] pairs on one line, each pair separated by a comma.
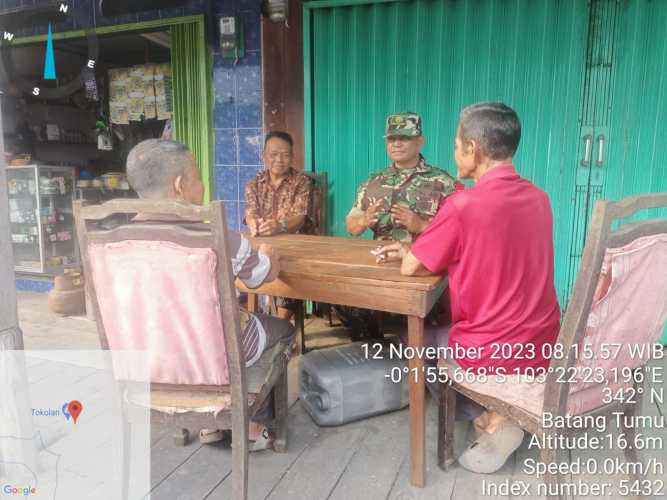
[[494, 240]]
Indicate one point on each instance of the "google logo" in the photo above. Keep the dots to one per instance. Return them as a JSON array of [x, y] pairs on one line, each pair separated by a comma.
[[18, 490]]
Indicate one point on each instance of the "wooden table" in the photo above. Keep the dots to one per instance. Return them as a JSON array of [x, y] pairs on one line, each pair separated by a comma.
[[343, 271]]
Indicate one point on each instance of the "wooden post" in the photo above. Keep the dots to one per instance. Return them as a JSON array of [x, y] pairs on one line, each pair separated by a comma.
[[417, 412], [15, 412], [282, 73]]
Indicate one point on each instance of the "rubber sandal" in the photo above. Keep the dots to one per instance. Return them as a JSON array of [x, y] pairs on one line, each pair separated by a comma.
[[208, 436], [489, 452]]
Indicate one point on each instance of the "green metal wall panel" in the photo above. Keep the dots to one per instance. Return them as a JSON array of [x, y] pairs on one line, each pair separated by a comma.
[[636, 147], [435, 57], [636, 144], [594, 119]]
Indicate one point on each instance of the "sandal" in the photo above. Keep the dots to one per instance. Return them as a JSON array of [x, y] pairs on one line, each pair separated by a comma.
[[489, 452], [208, 436]]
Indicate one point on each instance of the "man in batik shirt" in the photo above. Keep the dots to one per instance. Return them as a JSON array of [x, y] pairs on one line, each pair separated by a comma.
[[278, 199]]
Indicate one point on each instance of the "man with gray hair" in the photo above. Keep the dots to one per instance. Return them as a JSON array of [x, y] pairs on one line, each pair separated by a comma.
[[494, 240], [162, 169], [159, 169]]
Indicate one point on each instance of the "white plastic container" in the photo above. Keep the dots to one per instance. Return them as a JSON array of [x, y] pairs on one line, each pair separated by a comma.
[[340, 384]]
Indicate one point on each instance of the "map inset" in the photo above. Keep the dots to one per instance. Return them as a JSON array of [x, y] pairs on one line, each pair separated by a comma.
[[69, 430]]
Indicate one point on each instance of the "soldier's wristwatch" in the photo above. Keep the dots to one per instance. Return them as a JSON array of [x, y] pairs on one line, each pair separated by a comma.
[[283, 225]]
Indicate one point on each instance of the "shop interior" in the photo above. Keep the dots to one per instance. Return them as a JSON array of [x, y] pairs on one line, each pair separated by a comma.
[[75, 147]]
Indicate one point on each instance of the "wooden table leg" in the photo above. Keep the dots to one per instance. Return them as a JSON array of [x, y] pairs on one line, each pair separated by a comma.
[[417, 414], [252, 302], [299, 324]]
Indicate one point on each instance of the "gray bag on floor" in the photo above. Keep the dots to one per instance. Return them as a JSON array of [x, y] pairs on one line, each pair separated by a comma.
[[340, 384]]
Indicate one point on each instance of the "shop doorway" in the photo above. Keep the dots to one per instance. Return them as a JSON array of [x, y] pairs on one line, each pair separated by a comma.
[[173, 52], [151, 80]]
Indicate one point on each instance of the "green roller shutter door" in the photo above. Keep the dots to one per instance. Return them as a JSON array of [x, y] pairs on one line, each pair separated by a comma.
[[635, 145], [635, 160], [589, 80], [364, 62]]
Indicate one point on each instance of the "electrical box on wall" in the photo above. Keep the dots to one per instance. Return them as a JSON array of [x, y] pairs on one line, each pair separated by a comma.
[[231, 37]]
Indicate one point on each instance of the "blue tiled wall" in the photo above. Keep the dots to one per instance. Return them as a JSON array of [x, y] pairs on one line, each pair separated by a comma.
[[238, 111], [34, 285], [237, 117]]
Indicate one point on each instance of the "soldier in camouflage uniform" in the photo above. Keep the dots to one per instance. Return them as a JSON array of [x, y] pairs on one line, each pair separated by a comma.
[[399, 202]]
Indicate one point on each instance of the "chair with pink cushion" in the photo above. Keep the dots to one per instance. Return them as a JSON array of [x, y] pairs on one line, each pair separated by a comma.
[[619, 300], [166, 287]]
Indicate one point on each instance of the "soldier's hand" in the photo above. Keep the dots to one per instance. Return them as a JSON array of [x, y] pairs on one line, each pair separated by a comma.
[[407, 218], [371, 215]]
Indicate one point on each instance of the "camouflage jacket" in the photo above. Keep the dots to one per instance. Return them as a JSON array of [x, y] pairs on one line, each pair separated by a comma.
[[421, 189]]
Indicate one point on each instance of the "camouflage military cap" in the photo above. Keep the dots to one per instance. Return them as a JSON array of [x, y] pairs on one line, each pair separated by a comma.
[[406, 124]]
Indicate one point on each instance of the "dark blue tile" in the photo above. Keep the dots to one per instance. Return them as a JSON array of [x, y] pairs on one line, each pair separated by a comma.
[[232, 213], [148, 15], [251, 30], [246, 174], [83, 14], [224, 115], [248, 90], [223, 80], [66, 25], [222, 8], [249, 115], [226, 148], [227, 182], [196, 7], [125, 19], [250, 141], [251, 58], [170, 13], [248, 5], [101, 20], [248, 83], [24, 32]]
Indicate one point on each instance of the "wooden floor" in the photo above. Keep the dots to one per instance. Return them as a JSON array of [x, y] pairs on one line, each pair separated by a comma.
[[366, 460]]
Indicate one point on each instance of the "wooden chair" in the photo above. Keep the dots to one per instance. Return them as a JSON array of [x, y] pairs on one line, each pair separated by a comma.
[[190, 323], [319, 203], [317, 226], [524, 402]]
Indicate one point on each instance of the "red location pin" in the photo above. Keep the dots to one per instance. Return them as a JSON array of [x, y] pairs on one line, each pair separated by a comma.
[[75, 408]]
